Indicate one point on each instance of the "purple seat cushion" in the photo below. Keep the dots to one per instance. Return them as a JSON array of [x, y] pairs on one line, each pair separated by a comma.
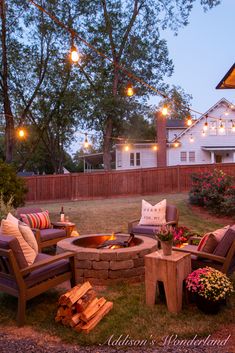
[[52, 233], [145, 230], [225, 243], [9, 242], [47, 271]]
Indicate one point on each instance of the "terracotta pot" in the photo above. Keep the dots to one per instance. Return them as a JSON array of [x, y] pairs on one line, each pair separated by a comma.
[[167, 247]]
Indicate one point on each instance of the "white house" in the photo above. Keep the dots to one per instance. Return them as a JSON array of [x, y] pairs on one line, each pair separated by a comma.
[[210, 139]]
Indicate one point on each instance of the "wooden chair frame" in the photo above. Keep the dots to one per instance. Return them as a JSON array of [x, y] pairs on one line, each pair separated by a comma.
[[16, 274]]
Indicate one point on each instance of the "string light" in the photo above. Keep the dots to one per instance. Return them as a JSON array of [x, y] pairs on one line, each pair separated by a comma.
[[203, 133], [164, 110], [205, 127], [129, 90], [21, 133], [189, 120], [191, 139], [86, 143], [126, 148], [155, 147], [233, 125]]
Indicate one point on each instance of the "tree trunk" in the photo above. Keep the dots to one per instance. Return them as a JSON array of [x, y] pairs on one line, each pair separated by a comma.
[[107, 144], [9, 128]]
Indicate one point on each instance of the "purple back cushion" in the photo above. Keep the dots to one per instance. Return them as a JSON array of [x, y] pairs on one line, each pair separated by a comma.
[[9, 242], [225, 243]]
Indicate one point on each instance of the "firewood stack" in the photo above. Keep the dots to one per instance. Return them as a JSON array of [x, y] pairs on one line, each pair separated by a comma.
[[81, 309]]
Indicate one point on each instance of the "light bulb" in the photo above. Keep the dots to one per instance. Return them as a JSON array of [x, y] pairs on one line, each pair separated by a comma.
[[126, 148], [21, 133], [189, 121], [191, 139], [176, 144], [164, 110], [203, 132], [86, 143], [74, 54], [233, 126], [130, 91], [155, 148]]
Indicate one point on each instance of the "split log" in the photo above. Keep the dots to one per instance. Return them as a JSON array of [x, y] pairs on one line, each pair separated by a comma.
[[64, 311], [92, 309], [77, 294], [96, 319], [74, 320], [78, 327], [63, 298], [85, 300]]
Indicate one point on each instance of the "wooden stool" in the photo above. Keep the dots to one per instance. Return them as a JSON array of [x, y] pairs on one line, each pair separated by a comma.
[[171, 270]]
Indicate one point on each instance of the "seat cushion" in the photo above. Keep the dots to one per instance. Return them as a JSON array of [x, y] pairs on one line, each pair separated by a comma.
[[52, 233], [225, 244], [47, 271], [145, 230]]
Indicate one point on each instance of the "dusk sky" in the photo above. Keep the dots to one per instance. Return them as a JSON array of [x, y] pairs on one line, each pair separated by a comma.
[[202, 54]]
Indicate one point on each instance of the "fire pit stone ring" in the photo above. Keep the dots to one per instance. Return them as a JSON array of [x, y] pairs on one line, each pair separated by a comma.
[[108, 266]]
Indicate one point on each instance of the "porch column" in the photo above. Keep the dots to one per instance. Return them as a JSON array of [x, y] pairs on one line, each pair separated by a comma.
[[212, 157], [234, 157]]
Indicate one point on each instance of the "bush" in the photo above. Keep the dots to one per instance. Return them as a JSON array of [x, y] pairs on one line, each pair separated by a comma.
[[5, 208], [215, 191], [11, 186]]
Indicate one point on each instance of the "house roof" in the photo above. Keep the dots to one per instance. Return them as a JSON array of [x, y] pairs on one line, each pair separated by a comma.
[[221, 101], [176, 124], [228, 81]]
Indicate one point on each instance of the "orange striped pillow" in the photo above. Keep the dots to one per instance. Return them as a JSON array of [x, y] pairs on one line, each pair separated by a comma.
[[39, 220]]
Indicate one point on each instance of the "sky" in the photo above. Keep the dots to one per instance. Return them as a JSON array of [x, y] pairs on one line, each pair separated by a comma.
[[202, 54]]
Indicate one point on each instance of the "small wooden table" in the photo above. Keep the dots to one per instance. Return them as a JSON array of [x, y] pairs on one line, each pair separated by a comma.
[[171, 270], [68, 226]]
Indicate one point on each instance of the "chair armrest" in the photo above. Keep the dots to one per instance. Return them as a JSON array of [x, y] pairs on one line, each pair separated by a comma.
[[48, 261], [193, 238], [130, 224], [171, 222], [202, 254]]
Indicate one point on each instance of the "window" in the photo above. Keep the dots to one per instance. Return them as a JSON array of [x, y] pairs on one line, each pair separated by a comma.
[[135, 159], [212, 127], [119, 159], [191, 156], [138, 158], [183, 156], [132, 159]]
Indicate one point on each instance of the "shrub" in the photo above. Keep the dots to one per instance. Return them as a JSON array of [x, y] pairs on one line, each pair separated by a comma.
[[213, 191], [11, 186], [5, 208]]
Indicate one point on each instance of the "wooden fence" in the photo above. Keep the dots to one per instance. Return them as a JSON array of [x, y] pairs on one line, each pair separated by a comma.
[[81, 186]]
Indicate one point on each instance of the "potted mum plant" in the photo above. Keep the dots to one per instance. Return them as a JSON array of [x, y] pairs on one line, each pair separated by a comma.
[[211, 287], [165, 235]]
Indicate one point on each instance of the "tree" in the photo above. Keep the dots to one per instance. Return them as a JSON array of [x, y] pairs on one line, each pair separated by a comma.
[[128, 33], [178, 103]]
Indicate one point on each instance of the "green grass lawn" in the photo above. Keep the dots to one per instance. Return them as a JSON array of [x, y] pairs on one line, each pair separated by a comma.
[[129, 316]]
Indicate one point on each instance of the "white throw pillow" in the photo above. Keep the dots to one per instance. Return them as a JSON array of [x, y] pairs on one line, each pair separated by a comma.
[[12, 219], [12, 229], [153, 215], [28, 236]]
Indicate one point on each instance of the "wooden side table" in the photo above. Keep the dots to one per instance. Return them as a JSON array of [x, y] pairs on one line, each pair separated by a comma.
[[171, 270], [68, 226]]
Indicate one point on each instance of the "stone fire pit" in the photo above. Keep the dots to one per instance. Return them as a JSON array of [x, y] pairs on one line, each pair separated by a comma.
[[106, 266]]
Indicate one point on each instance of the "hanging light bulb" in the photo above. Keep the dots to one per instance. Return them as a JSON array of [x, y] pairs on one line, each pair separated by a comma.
[[203, 132], [155, 147], [130, 90], [176, 143], [126, 148], [221, 125], [226, 113], [191, 139], [74, 55], [164, 110], [86, 143], [189, 120], [205, 127], [233, 125], [21, 133]]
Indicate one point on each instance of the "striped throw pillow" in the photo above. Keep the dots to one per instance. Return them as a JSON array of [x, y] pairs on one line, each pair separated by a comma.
[[39, 220]]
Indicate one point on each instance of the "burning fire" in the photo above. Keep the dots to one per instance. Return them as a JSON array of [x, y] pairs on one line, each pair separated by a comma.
[[112, 237]]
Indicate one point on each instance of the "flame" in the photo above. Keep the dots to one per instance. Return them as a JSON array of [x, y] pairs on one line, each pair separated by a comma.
[[112, 237]]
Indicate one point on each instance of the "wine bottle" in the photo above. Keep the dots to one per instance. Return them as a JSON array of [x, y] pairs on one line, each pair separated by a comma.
[[62, 214]]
